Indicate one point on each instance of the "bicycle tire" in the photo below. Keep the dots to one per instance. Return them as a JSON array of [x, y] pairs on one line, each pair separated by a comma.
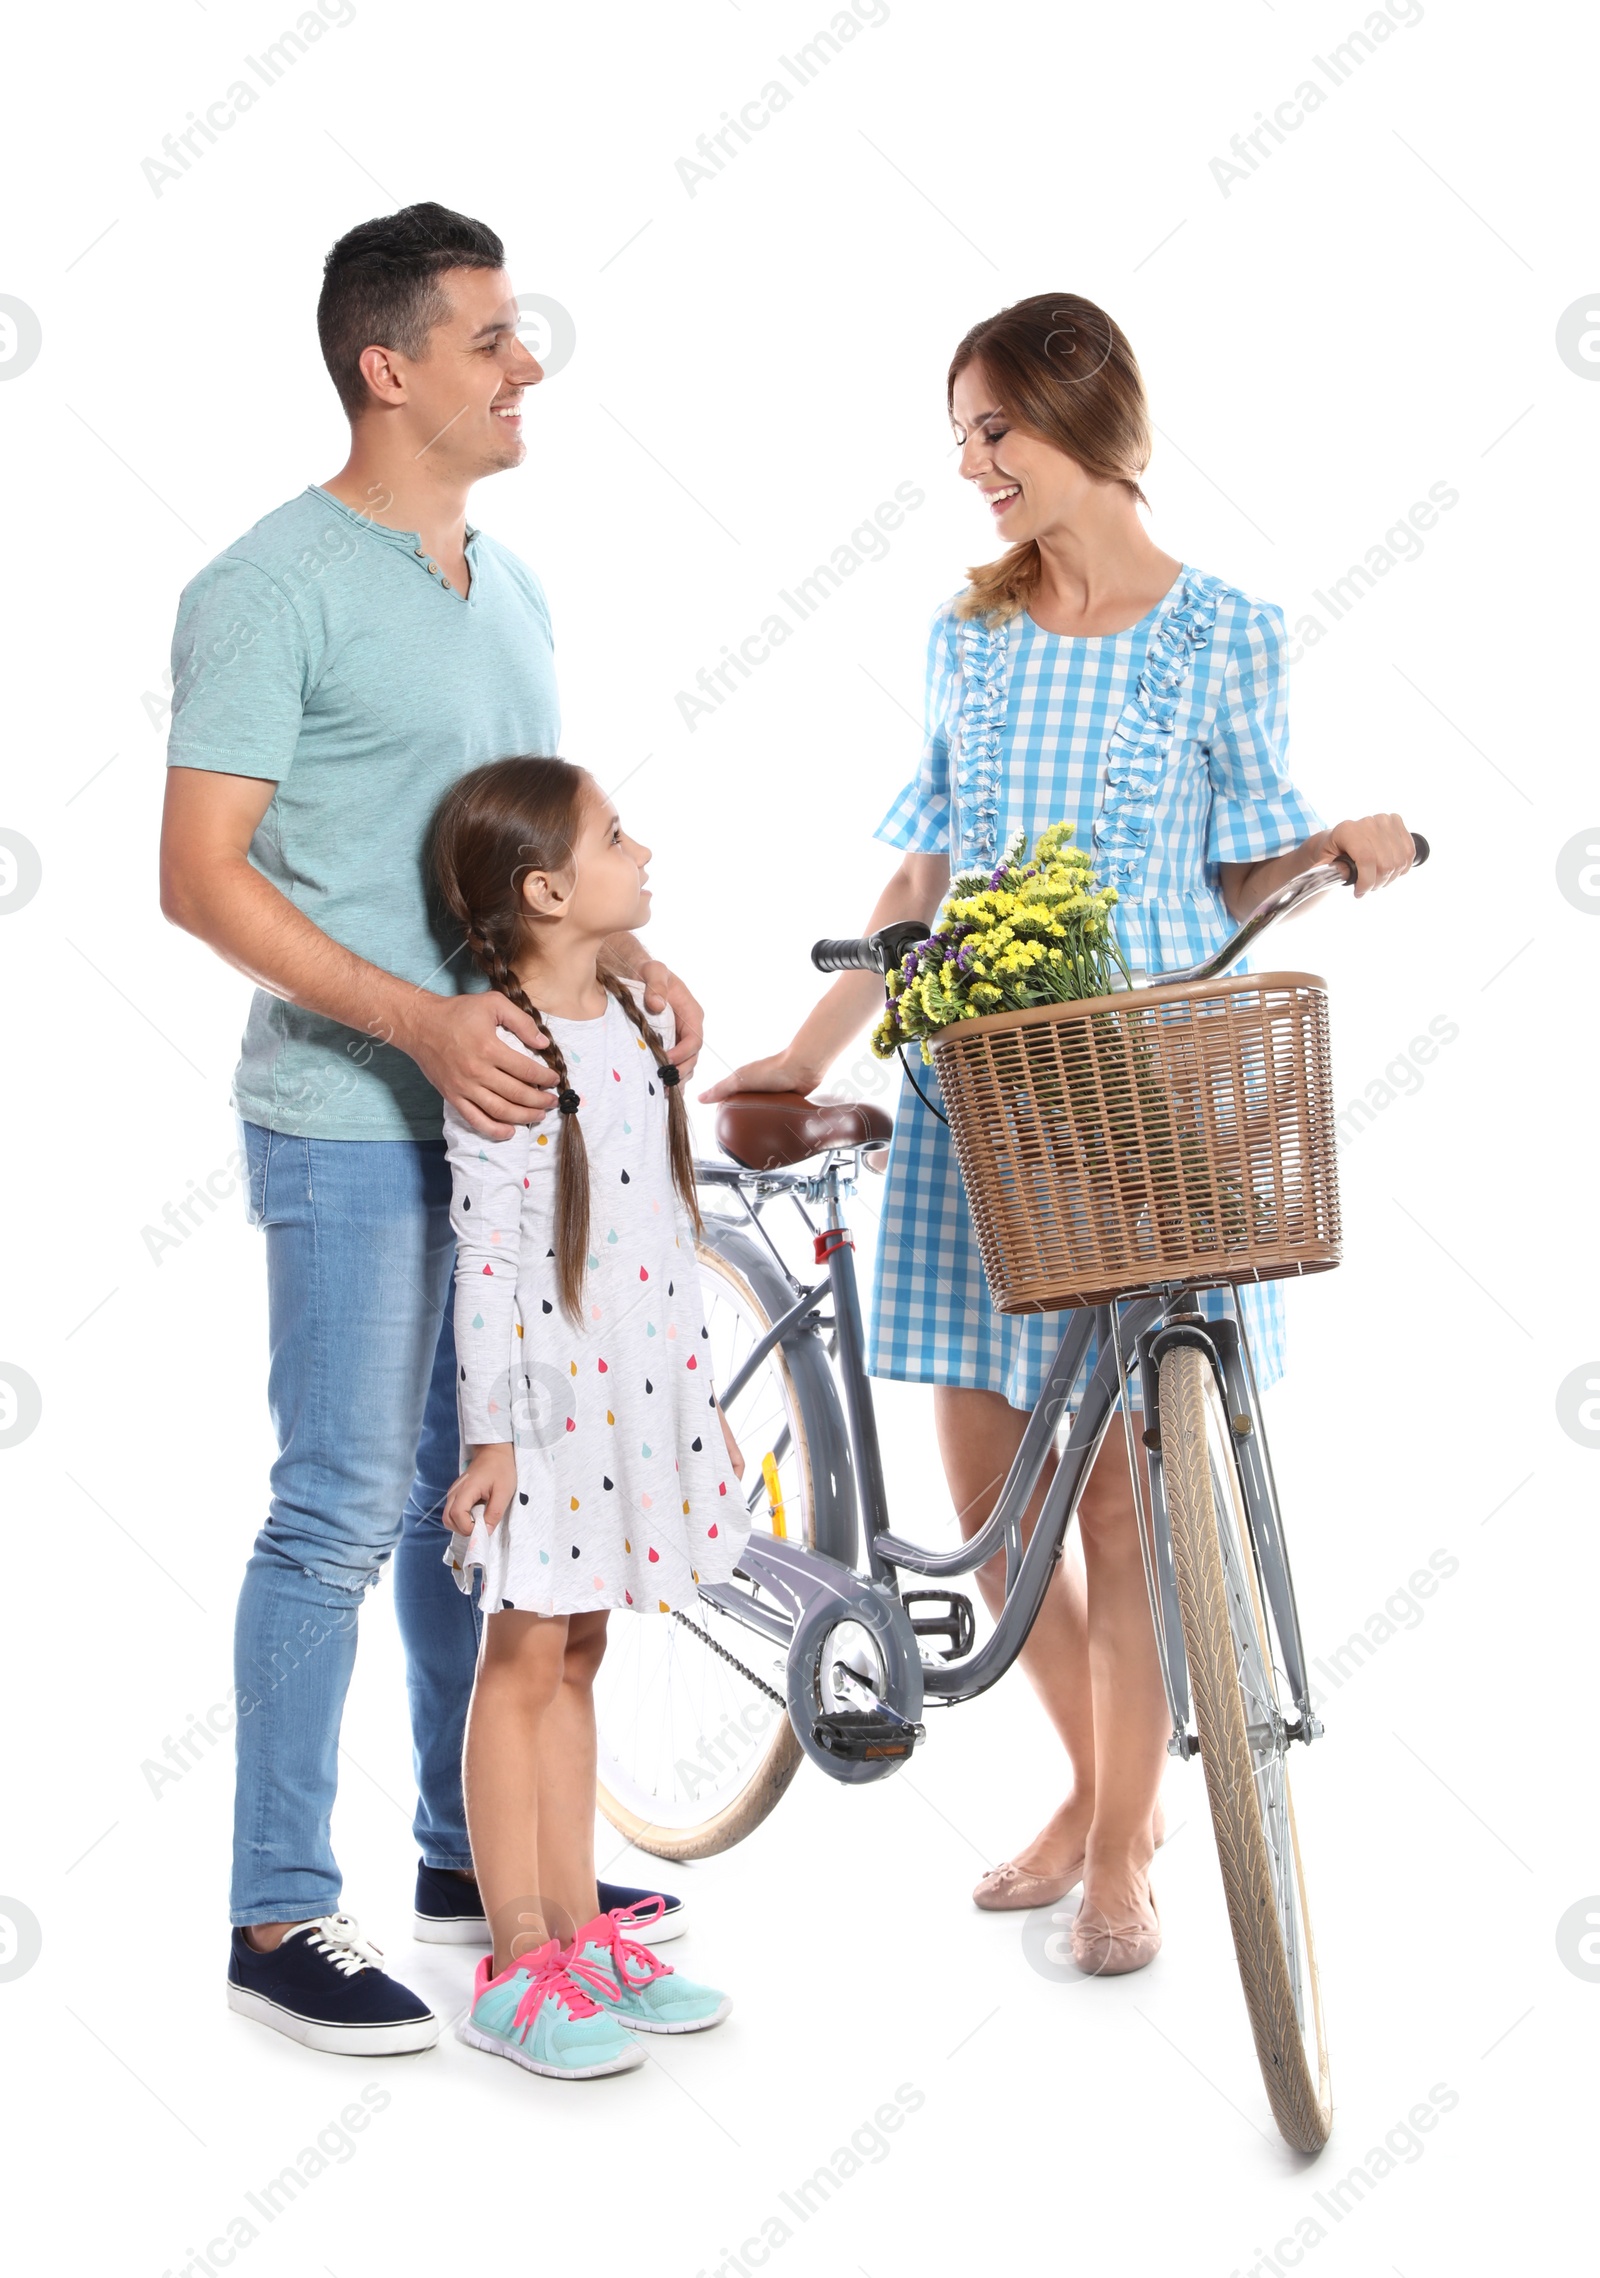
[[811, 1402], [1229, 1648]]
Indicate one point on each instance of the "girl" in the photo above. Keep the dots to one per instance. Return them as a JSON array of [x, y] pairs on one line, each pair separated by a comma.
[[598, 1459], [1087, 677]]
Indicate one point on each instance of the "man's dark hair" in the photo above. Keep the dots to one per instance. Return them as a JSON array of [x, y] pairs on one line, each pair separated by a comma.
[[380, 287]]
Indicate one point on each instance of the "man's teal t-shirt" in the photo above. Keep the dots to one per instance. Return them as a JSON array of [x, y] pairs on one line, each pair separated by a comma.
[[325, 654]]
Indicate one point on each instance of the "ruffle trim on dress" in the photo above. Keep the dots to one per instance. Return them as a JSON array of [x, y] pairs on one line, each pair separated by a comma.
[[1141, 742], [985, 670]]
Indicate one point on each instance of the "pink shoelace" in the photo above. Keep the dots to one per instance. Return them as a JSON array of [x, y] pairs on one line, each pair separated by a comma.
[[626, 1953], [552, 1973]]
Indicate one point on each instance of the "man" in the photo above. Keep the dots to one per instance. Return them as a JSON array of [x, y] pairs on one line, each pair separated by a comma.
[[333, 673]]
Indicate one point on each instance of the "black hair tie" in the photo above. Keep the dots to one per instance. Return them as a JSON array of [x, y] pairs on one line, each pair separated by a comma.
[[667, 1073], [567, 1102]]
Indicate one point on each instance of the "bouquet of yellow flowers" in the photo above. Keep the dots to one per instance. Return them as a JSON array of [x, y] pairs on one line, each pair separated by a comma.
[[1030, 932]]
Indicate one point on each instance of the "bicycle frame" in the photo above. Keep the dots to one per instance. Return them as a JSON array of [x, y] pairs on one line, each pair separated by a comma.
[[1128, 1336]]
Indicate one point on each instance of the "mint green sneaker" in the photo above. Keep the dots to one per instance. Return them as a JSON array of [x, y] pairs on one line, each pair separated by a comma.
[[638, 1991], [545, 2013]]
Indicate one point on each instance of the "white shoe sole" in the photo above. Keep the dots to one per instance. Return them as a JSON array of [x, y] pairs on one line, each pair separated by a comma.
[[473, 1930], [336, 2040], [450, 1930], [693, 2025], [626, 2061]]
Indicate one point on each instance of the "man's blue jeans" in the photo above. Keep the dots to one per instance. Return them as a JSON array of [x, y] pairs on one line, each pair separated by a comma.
[[360, 1258]]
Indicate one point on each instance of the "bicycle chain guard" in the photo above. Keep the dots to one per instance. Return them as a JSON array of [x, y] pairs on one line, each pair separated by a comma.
[[821, 1596]]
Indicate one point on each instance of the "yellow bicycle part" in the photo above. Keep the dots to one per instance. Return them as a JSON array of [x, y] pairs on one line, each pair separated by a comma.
[[769, 1472]]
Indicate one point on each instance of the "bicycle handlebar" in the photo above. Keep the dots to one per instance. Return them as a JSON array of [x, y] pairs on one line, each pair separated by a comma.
[[1341, 871], [877, 952], [869, 953]]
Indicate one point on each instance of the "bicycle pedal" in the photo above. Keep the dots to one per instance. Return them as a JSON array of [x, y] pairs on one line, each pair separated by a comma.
[[955, 1623], [862, 1737]]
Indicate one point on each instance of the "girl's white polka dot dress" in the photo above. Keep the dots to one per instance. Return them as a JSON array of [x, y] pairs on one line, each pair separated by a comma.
[[624, 1492]]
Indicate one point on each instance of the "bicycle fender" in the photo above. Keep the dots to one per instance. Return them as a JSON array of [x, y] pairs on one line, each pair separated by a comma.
[[1178, 1333]]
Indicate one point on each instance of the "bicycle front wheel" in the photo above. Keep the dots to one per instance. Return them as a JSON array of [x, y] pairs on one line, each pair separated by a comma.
[[695, 1741], [1238, 1696]]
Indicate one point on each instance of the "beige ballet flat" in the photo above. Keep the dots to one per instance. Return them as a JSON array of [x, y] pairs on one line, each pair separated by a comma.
[[1009, 1889], [1100, 1951]]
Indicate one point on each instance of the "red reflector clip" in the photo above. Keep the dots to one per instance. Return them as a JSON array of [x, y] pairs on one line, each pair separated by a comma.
[[830, 1239]]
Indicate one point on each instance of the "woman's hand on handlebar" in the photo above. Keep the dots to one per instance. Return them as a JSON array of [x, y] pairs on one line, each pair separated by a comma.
[[1380, 847], [781, 1072]]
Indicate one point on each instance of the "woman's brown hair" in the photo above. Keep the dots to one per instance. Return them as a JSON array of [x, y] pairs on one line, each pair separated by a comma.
[[1061, 368], [492, 828]]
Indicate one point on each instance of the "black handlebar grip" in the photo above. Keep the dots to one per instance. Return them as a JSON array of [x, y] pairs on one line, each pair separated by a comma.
[[876, 953], [849, 956]]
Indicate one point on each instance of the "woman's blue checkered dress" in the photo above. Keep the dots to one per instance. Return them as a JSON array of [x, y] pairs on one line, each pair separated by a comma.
[[1165, 746]]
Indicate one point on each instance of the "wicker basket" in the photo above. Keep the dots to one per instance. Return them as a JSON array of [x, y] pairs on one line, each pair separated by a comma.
[[1165, 1136]]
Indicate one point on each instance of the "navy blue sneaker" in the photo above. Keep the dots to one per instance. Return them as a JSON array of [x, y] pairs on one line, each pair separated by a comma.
[[449, 1911], [325, 1985]]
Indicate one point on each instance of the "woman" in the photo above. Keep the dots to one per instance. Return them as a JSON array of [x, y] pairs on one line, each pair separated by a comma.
[[1085, 676]]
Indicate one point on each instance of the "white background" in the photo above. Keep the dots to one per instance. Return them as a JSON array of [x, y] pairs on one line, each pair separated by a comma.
[[1370, 312]]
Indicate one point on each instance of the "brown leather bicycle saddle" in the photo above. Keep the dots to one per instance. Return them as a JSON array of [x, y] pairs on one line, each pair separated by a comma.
[[764, 1131]]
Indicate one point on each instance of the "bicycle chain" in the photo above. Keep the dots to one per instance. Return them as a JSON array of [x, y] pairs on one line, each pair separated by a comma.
[[706, 1639]]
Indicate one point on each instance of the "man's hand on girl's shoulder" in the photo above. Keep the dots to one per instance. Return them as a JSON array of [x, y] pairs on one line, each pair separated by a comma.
[[491, 1085], [662, 988]]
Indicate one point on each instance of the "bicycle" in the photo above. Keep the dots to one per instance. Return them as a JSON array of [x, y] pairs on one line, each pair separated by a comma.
[[697, 1745]]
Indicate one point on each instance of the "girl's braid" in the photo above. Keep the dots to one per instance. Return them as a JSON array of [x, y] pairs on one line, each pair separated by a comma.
[[496, 967], [680, 1147], [572, 1163]]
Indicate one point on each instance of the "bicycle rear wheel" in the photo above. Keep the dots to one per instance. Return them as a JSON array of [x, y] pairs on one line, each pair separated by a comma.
[[1238, 1693], [695, 1741]]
